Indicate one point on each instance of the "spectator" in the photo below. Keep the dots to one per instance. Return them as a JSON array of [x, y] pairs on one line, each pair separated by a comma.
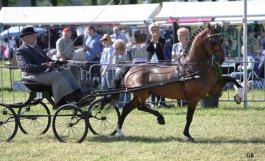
[[65, 45], [118, 35], [122, 56], [261, 41], [251, 65], [262, 60], [183, 37], [107, 71], [12, 45], [37, 66], [43, 41], [94, 48], [262, 65], [65, 49], [155, 46], [168, 50]]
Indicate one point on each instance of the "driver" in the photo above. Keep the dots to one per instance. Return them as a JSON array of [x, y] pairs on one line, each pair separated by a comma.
[[38, 67]]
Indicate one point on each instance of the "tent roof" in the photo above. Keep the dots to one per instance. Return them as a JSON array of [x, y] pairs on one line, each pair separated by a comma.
[[255, 8], [107, 14]]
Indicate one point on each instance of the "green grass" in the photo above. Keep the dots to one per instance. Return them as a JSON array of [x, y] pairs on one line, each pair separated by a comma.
[[229, 132], [225, 133]]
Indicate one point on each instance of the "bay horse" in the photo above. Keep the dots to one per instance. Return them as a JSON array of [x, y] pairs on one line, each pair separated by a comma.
[[193, 77]]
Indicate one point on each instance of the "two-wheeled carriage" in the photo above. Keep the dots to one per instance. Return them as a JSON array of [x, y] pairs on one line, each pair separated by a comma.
[[70, 122]]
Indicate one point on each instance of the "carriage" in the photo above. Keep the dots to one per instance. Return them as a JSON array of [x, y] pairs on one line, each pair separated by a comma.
[[195, 75], [70, 122]]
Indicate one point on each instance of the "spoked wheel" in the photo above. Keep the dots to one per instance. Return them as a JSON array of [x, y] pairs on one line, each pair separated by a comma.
[[103, 117], [70, 124], [8, 123], [34, 119]]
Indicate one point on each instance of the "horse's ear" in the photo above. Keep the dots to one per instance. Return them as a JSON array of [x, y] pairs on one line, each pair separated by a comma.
[[217, 28]]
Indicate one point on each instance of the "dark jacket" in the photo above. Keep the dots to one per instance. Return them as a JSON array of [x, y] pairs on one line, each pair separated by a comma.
[[30, 60], [158, 50]]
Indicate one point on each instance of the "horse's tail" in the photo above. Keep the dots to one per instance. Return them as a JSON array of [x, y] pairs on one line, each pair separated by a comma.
[[117, 84]]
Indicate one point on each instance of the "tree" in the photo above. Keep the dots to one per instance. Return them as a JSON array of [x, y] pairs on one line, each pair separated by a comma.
[[54, 2], [33, 3], [133, 2], [94, 2], [5, 3]]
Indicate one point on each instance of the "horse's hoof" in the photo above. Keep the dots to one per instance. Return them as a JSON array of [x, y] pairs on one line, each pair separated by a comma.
[[161, 121], [190, 139], [237, 99]]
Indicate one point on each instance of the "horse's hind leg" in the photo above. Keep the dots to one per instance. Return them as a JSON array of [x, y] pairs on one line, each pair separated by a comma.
[[125, 111], [160, 118]]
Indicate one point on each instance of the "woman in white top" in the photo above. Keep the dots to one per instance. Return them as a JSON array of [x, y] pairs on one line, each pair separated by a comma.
[[183, 37], [122, 56]]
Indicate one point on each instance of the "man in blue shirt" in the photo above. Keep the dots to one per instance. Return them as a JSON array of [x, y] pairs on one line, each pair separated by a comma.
[[95, 47]]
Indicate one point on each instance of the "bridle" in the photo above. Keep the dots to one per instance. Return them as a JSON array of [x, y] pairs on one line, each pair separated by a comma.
[[205, 64], [213, 42]]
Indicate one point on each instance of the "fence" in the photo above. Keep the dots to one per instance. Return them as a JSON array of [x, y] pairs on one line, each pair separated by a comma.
[[10, 83]]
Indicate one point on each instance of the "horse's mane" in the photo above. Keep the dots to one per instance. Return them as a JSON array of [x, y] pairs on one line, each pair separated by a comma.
[[193, 37]]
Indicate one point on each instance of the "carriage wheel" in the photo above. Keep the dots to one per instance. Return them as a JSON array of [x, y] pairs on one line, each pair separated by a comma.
[[70, 124], [8, 123], [34, 119], [103, 117]]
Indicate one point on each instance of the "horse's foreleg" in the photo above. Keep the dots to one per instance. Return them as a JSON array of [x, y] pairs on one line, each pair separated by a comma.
[[189, 117], [160, 118], [125, 111], [238, 97]]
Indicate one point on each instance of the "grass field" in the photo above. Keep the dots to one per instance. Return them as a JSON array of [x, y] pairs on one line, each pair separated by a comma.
[[229, 132], [225, 133]]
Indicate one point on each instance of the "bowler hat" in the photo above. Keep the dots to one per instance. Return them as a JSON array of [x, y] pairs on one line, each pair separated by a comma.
[[106, 37], [27, 31]]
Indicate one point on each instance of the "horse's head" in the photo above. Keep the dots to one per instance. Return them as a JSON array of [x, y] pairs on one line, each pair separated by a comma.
[[205, 45], [213, 44]]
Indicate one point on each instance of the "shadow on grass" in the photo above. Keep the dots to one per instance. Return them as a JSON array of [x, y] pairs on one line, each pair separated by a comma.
[[172, 138]]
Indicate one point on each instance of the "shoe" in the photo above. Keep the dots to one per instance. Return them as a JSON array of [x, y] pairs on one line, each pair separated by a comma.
[[70, 97], [79, 96], [61, 102]]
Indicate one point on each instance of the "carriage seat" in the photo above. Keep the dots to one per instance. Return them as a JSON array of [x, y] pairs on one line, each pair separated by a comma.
[[37, 88]]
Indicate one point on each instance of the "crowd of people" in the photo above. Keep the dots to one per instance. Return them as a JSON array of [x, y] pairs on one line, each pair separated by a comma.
[[105, 55]]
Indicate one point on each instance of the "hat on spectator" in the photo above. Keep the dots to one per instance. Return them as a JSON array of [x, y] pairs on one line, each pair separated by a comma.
[[27, 31], [66, 29], [106, 37]]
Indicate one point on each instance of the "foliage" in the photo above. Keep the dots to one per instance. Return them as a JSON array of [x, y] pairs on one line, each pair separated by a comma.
[[219, 71], [71, 3]]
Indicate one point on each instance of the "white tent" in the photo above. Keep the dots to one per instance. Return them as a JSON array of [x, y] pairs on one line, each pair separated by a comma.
[[107, 14], [218, 10]]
